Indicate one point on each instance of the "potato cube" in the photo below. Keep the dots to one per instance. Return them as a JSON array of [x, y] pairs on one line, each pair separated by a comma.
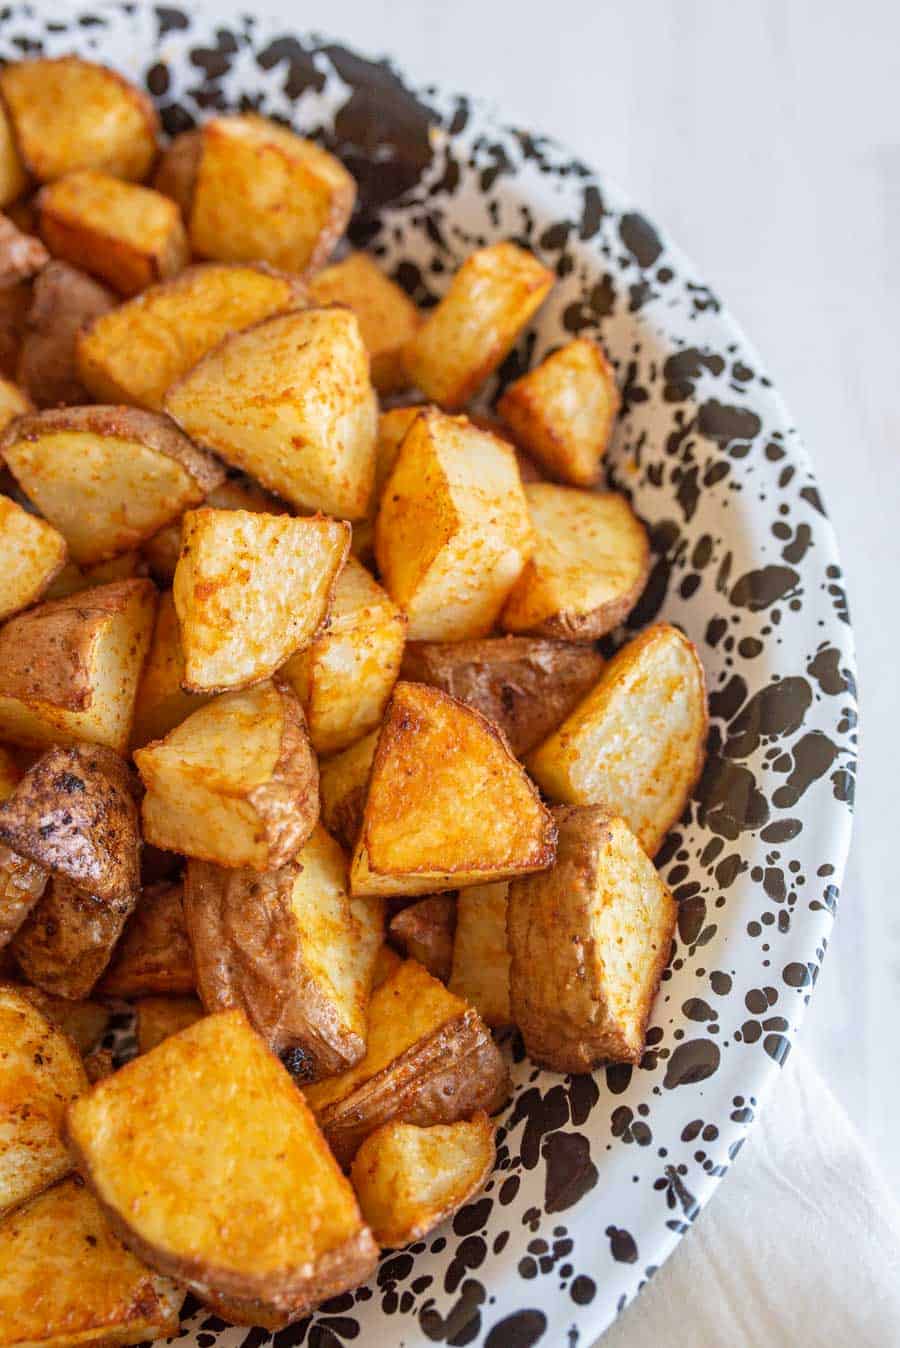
[[21, 255], [343, 783], [154, 954], [63, 300], [480, 968], [32, 552], [161, 703], [387, 317], [424, 932], [66, 942], [13, 178], [159, 1017]]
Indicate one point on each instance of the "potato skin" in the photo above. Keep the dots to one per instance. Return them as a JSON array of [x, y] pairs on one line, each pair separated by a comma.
[[424, 931], [22, 883], [154, 955], [63, 300]]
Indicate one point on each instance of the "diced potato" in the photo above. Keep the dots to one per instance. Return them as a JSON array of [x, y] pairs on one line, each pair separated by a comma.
[[135, 354], [161, 703], [343, 783], [160, 1017], [66, 942], [408, 1179], [590, 564], [21, 255], [496, 291], [387, 317], [435, 757], [344, 678], [588, 943], [32, 552], [106, 477], [563, 411], [637, 742], [480, 970], [63, 300], [236, 783], [452, 533], [289, 401], [83, 1022], [69, 668], [13, 178], [73, 579], [204, 1152], [424, 932], [154, 954], [250, 590], [392, 427]]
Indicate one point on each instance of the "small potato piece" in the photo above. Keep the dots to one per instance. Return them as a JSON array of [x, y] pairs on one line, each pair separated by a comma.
[[250, 590], [525, 685], [226, 1155], [135, 354], [480, 971], [73, 579], [387, 317], [40, 1073], [637, 742], [392, 427], [408, 1179], [496, 291], [13, 178], [13, 401], [435, 760], [63, 300], [588, 943], [66, 942], [21, 255], [424, 932], [161, 703], [154, 954], [429, 1059], [69, 668], [343, 783], [344, 678], [236, 783], [564, 410], [83, 1022], [176, 172], [107, 477], [590, 563], [453, 533], [387, 962], [289, 401], [32, 552], [159, 1017]]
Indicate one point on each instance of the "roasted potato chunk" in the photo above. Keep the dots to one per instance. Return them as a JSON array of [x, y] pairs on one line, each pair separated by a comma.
[[83, 1022], [392, 427], [21, 255], [221, 1119], [289, 401], [419, 832], [387, 317], [637, 742], [250, 590], [344, 678], [480, 966], [343, 782], [32, 553], [424, 932], [408, 1179], [496, 291], [452, 533], [159, 1017], [13, 178], [63, 300], [21, 881], [161, 703], [236, 783], [40, 1073], [429, 1059], [176, 172], [69, 668], [106, 477], [590, 563], [387, 962], [588, 943], [525, 685], [66, 942], [154, 954], [135, 354]]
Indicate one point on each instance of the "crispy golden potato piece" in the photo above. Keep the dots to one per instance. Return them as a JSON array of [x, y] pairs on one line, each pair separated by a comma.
[[409, 1179], [637, 742], [387, 317], [480, 967], [161, 703], [590, 563], [221, 1127], [436, 756], [424, 932], [66, 942], [73, 579], [453, 532], [236, 783], [21, 255], [343, 783], [32, 553], [564, 410], [154, 954], [40, 1073], [290, 402], [13, 178], [21, 881], [136, 353], [588, 943], [15, 301], [63, 300], [525, 685], [69, 668], [286, 947], [429, 1059], [344, 678], [496, 291], [392, 427], [250, 590], [83, 1022], [107, 477], [159, 1017]]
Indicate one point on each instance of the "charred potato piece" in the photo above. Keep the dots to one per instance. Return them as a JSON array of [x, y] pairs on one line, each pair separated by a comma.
[[13, 178], [159, 1017], [32, 553], [63, 300], [343, 781], [496, 291], [83, 1022], [392, 427], [424, 932], [66, 942], [154, 954], [161, 703], [21, 255], [222, 1123], [637, 742], [480, 966], [387, 317]]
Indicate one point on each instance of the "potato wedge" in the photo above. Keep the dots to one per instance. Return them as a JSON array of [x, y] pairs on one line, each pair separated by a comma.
[[159, 1017], [452, 533], [588, 943], [525, 685], [496, 291], [392, 427], [424, 932], [135, 354], [637, 742], [590, 563], [161, 703], [107, 477], [63, 300], [21, 255], [236, 783], [154, 955], [83, 1022], [13, 178], [409, 1179], [67, 940], [387, 316], [419, 832], [250, 590], [69, 668], [429, 1059], [480, 966], [219, 1116], [289, 401], [40, 1073], [32, 553], [344, 677], [343, 783]]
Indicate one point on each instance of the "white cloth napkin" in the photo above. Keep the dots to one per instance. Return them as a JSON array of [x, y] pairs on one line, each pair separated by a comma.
[[800, 1246]]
